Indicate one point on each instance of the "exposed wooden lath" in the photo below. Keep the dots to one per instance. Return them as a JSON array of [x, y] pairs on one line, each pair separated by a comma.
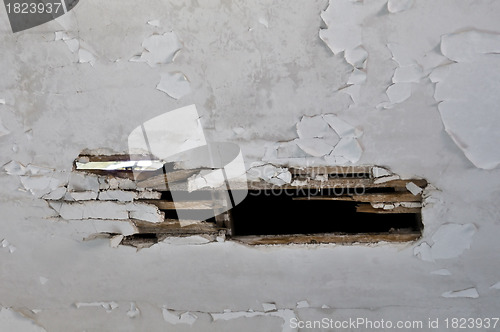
[[372, 196]]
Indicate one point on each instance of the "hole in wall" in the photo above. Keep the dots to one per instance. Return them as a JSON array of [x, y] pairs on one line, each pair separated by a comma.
[[319, 205]]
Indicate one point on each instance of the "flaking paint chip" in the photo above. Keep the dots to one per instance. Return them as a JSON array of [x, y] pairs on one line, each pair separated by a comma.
[[175, 85]]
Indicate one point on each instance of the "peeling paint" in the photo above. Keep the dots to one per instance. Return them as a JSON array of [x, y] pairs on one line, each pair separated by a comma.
[[470, 121], [441, 272], [468, 293], [396, 6], [108, 306], [159, 49], [450, 241], [170, 316], [324, 136], [285, 314], [175, 85], [134, 311], [13, 321], [344, 34], [496, 286]]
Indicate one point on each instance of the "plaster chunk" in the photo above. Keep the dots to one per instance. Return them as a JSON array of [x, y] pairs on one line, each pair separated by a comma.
[[90, 210], [115, 241], [411, 204], [385, 179], [469, 293], [145, 212], [147, 194], [117, 195], [175, 85], [302, 304], [413, 188], [83, 195], [83, 182], [269, 306], [378, 172]]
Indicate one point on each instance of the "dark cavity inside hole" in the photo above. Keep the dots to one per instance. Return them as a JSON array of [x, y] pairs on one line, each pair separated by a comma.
[[276, 213]]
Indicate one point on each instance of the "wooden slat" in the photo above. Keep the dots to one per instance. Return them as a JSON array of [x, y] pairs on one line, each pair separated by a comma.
[[367, 208], [373, 198], [172, 226], [328, 238], [183, 205], [334, 183], [340, 170], [115, 157]]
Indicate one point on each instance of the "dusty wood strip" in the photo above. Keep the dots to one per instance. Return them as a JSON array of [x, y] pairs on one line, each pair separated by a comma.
[[340, 170], [328, 238], [367, 208], [172, 226], [116, 157], [183, 205], [373, 198], [335, 183]]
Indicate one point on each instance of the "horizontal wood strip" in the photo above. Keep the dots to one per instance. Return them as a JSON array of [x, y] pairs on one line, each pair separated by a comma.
[[341, 170], [373, 198], [328, 238], [172, 226]]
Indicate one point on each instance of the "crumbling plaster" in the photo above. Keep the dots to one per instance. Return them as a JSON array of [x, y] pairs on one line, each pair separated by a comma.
[[254, 70]]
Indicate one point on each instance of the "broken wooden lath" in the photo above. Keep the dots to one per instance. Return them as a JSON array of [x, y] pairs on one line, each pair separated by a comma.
[[369, 192]]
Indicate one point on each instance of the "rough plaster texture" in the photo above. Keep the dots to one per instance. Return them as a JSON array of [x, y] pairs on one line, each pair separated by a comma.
[[254, 68]]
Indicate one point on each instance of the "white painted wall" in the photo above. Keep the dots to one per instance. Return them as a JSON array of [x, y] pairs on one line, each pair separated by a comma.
[[257, 66]]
